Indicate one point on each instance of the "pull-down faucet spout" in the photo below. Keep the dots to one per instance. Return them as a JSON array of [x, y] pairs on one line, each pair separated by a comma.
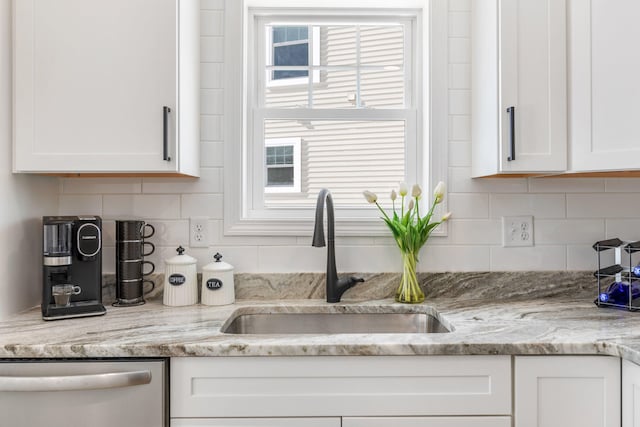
[[335, 286]]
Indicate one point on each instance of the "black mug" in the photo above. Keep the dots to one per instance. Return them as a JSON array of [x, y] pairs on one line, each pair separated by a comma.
[[136, 230]]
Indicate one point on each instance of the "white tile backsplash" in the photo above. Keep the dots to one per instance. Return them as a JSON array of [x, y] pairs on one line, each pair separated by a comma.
[[569, 213]]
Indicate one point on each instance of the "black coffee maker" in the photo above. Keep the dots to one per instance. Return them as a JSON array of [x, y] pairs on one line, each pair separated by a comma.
[[72, 267]]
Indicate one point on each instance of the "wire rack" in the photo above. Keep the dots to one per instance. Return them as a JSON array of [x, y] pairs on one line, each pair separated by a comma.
[[618, 283]]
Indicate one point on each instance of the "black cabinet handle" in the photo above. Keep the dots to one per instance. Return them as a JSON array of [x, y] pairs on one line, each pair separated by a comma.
[[512, 127], [165, 133]]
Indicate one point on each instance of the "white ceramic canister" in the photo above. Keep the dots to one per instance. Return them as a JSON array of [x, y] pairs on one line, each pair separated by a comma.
[[217, 283], [180, 280]]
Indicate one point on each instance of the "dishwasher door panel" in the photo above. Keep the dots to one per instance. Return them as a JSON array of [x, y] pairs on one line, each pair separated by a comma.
[[83, 393]]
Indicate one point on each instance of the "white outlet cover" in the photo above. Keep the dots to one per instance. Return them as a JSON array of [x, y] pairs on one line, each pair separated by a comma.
[[199, 232], [517, 231]]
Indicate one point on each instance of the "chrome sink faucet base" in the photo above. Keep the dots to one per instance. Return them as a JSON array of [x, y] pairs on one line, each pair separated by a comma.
[[335, 286]]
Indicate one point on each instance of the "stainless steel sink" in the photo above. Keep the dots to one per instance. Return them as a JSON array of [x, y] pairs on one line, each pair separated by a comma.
[[334, 323]]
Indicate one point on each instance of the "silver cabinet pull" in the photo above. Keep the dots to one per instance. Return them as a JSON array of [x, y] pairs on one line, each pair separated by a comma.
[[165, 133], [75, 382]]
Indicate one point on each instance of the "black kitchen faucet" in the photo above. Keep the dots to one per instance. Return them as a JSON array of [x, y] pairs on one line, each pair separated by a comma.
[[335, 286]]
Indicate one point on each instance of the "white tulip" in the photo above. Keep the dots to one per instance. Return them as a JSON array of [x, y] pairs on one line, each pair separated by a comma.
[[404, 189], [371, 197], [446, 217], [394, 196], [416, 191], [439, 192], [410, 205]]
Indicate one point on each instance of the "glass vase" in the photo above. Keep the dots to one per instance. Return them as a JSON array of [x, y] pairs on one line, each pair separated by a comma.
[[409, 291]]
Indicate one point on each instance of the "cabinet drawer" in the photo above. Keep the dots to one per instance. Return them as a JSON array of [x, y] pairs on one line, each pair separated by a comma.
[[259, 422], [340, 386], [428, 422]]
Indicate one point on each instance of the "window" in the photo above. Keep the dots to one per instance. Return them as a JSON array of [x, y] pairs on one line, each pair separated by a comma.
[[362, 121], [282, 162], [291, 46]]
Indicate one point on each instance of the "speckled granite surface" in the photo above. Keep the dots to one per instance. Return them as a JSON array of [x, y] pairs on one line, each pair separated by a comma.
[[490, 313]]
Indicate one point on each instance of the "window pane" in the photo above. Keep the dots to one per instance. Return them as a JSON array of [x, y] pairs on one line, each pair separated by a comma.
[[337, 91], [382, 89], [345, 156], [280, 155], [382, 45], [280, 177], [279, 34], [338, 45], [294, 54]]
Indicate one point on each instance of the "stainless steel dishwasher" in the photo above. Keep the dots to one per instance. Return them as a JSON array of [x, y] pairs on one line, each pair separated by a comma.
[[79, 393]]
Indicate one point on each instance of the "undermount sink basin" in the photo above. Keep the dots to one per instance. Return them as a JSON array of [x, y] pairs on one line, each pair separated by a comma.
[[334, 323]]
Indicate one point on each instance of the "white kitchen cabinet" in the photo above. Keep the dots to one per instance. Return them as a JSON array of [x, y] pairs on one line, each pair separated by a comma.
[[630, 394], [427, 422], [567, 391], [603, 85], [335, 386], [259, 422], [106, 87], [519, 100]]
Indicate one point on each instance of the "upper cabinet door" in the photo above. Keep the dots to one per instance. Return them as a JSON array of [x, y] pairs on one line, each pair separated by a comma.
[[96, 86], [604, 84], [519, 107]]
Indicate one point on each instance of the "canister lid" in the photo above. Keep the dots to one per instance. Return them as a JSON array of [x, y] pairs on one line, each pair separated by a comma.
[[181, 258], [217, 265]]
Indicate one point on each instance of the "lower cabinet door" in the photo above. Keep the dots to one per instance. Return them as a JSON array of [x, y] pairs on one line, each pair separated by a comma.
[[567, 391], [257, 422], [427, 422], [630, 394]]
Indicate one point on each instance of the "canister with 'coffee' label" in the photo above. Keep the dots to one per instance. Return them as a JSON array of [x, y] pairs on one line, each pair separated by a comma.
[[181, 280], [217, 283]]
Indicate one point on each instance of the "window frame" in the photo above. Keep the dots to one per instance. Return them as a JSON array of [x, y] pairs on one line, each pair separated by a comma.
[[432, 73]]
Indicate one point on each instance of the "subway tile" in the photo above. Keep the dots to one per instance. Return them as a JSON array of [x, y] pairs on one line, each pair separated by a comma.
[[211, 154], [211, 128], [212, 101], [535, 258], [460, 128], [565, 185], [624, 229], [583, 257], [459, 24], [211, 75], [243, 258], [212, 4], [469, 205], [475, 232], [80, 205], [211, 23], [108, 232], [603, 205], [538, 205], [460, 5], [460, 102], [622, 185], [454, 258], [460, 181], [291, 259], [459, 51], [564, 231], [101, 185], [170, 233], [358, 259], [142, 206], [460, 76], [209, 205], [108, 260], [212, 49], [210, 181], [459, 154]]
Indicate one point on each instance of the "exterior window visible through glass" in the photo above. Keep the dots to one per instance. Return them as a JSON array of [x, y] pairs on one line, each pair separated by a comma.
[[290, 48], [280, 166]]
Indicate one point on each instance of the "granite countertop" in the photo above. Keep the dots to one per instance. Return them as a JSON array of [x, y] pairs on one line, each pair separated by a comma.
[[548, 314]]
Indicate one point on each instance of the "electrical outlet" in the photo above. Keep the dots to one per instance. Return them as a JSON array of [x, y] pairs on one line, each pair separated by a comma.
[[199, 232], [517, 231]]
